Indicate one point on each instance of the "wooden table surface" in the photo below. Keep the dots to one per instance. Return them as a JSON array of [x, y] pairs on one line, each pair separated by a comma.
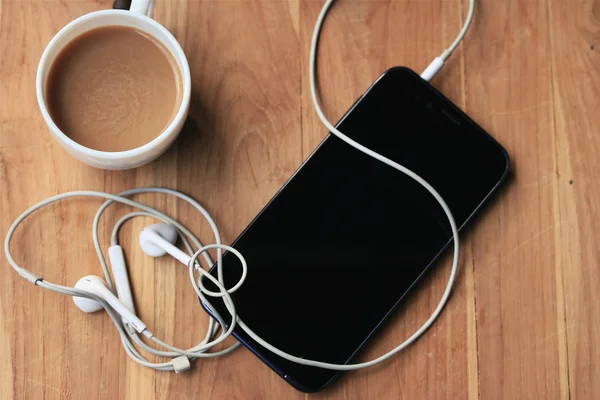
[[523, 321]]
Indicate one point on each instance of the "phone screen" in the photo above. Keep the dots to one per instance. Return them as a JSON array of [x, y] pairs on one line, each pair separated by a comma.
[[337, 248]]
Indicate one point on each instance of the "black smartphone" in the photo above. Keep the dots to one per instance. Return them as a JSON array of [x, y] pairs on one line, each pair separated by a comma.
[[346, 238]]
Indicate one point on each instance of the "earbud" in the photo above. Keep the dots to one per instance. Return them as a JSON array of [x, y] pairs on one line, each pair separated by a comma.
[[159, 239], [96, 285], [84, 304], [148, 238]]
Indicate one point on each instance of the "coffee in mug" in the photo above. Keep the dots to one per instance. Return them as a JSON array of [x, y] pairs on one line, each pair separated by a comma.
[[113, 88]]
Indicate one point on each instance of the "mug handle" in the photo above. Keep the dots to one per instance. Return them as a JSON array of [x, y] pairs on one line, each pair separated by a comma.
[[145, 7]]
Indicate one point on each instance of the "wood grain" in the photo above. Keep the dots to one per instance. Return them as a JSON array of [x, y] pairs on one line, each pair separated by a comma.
[[575, 41], [522, 322], [509, 90]]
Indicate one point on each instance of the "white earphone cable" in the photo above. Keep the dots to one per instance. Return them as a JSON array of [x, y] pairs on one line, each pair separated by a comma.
[[129, 338], [379, 157]]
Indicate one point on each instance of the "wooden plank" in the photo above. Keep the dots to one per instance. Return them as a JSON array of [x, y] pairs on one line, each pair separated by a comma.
[[54, 349], [575, 43], [360, 41], [508, 86], [240, 145], [6, 376]]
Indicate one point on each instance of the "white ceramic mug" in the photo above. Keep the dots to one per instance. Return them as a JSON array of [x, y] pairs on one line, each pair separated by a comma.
[[138, 16]]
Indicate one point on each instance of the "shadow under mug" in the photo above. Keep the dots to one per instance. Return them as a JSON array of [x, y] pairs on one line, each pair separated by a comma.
[[138, 16]]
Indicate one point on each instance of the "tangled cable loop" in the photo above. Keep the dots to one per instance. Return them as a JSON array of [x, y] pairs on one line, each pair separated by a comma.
[[225, 293]]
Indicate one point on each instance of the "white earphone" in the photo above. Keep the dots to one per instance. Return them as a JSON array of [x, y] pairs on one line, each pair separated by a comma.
[[91, 293], [97, 286], [156, 240]]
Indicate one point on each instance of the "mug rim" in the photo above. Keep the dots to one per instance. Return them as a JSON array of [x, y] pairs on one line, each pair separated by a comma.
[[115, 155]]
